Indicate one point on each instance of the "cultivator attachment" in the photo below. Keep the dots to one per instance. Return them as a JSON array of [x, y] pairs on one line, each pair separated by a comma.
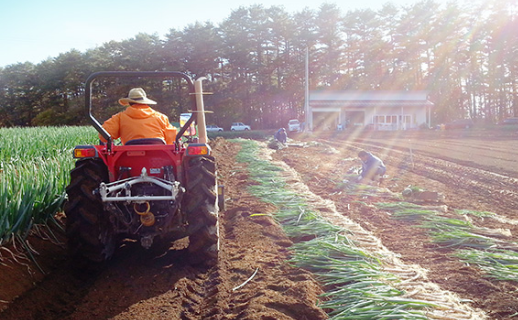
[[121, 191]]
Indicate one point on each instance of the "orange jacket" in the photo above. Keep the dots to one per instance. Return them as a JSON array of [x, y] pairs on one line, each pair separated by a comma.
[[137, 122]]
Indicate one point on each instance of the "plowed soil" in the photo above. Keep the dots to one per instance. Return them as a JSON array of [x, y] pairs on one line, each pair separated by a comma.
[[472, 172]]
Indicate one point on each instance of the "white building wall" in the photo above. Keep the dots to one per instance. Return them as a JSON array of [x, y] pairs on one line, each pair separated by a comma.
[[382, 103]]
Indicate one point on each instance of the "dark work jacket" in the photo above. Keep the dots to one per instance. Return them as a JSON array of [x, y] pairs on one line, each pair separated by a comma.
[[280, 136], [372, 166]]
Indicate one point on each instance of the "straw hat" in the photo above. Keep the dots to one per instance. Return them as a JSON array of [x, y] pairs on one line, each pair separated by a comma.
[[136, 95]]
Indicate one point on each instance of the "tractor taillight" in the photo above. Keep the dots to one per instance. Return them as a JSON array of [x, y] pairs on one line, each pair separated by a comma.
[[198, 150], [85, 152]]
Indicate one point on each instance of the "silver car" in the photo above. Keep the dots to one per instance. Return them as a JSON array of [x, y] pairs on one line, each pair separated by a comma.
[[237, 126], [212, 127], [293, 125]]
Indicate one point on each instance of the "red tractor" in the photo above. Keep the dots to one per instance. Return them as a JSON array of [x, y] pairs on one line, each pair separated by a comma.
[[144, 190]]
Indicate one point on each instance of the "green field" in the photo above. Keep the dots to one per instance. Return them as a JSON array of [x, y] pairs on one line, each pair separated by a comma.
[[34, 170]]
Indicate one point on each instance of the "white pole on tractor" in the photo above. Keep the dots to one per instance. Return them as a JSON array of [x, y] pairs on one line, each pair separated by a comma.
[[200, 108]]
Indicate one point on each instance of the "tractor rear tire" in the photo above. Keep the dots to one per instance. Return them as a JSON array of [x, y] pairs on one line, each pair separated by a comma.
[[200, 204], [88, 229]]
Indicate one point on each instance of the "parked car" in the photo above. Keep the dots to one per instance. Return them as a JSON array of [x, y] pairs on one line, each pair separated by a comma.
[[239, 126], [459, 124], [293, 125], [212, 127], [510, 121]]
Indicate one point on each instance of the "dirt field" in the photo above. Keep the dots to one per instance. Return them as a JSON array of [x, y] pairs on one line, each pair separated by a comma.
[[474, 173]]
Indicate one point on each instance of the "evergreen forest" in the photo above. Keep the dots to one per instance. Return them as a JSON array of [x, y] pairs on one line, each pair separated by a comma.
[[465, 55]]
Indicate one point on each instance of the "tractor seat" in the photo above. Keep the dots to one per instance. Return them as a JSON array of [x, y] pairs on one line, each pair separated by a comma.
[[145, 141]]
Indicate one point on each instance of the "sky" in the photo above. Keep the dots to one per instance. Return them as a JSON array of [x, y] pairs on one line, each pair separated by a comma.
[[34, 30]]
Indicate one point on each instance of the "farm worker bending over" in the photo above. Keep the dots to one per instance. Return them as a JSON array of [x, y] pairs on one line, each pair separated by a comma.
[[372, 167], [139, 120], [281, 135]]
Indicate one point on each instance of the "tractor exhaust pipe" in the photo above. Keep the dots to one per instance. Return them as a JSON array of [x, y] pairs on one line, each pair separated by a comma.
[[200, 110]]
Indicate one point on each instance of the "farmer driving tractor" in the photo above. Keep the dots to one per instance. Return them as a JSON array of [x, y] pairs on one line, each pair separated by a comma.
[[139, 120]]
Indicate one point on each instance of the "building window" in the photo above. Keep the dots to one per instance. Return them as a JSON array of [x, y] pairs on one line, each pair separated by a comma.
[[379, 119], [405, 119], [392, 119], [385, 119]]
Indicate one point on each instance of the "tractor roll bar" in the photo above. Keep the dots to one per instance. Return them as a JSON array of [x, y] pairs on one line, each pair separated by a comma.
[[134, 74]]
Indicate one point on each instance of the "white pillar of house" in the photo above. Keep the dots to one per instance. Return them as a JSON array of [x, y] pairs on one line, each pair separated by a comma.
[[429, 108], [307, 107], [401, 127]]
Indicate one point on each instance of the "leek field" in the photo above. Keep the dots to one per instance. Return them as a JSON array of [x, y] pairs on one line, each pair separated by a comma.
[[34, 170]]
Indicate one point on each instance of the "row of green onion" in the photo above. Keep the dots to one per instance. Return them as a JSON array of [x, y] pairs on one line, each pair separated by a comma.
[[473, 245], [356, 285]]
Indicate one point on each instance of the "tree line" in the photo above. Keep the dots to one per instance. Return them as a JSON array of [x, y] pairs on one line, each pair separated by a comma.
[[464, 54]]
